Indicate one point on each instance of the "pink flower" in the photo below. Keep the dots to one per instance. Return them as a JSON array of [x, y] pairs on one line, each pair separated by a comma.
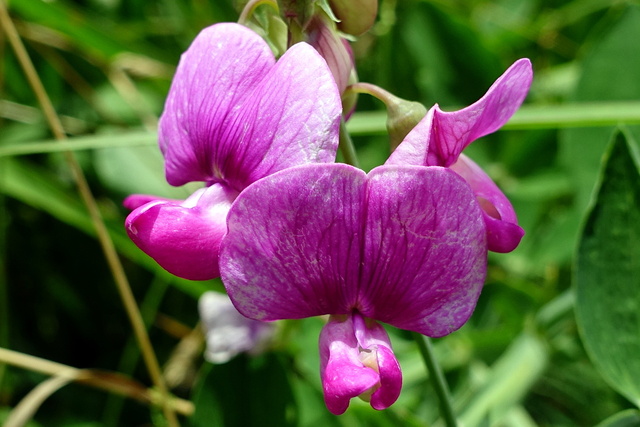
[[233, 115], [404, 245]]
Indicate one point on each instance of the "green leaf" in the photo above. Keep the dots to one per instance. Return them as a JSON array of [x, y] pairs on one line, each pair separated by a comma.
[[607, 275], [259, 385], [628, 418], [511, 377], [43, 191], [93, 34], [610, 73]]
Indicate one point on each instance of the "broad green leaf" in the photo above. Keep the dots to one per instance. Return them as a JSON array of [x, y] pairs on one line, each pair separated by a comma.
[[610, 73], [245, 392], [628, 418], [607, 271]]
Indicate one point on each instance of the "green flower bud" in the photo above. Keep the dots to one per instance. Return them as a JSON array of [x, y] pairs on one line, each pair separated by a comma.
[[356, 16], [402, 115]]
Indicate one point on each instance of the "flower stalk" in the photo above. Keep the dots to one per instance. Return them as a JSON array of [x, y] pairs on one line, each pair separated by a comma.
[[437, 378], [346, 146], [402, 115], [250, 8]]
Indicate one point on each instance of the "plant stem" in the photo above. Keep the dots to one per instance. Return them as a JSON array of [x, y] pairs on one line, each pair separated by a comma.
[[437, 378], [108, 248], [251, 7], [4, 294], [112, 382], [346, 146]]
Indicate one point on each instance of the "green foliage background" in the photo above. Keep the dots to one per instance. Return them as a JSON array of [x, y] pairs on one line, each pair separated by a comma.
[[520, 361]]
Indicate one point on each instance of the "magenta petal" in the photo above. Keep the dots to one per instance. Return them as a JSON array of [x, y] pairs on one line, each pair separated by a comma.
[[183, 238], [293, 245], [503, 232], [390, 379], [453, 131], [372, 337], [343, 375], [356, 360], [425, 250], [294, 116], [441, 136], [134, 201], [222, 65], [233, 115], [302, 242], [414, 147]]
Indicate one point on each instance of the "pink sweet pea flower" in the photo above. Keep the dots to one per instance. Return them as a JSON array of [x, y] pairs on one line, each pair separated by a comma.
[[404, 245], [233, 115], [438, 140]]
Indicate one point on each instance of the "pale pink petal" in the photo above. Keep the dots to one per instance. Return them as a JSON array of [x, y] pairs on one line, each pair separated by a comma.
[[227, 332]]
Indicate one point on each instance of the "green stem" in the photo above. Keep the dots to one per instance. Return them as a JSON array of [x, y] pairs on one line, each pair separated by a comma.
[[108, 248], [130, 356], [251, 7], [4, 295], [437, 378], [346, 146]]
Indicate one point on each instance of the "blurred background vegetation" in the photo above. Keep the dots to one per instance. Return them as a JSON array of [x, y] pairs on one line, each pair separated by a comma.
[[107, 66]]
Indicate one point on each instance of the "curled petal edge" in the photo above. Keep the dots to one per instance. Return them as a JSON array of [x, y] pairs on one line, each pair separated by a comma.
[[454, 131], [439, 138], [503, 232]]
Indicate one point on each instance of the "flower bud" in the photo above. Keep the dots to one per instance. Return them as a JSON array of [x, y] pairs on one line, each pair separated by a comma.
[[323, 36], [356, 16], [298, 11], [402, 116]]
